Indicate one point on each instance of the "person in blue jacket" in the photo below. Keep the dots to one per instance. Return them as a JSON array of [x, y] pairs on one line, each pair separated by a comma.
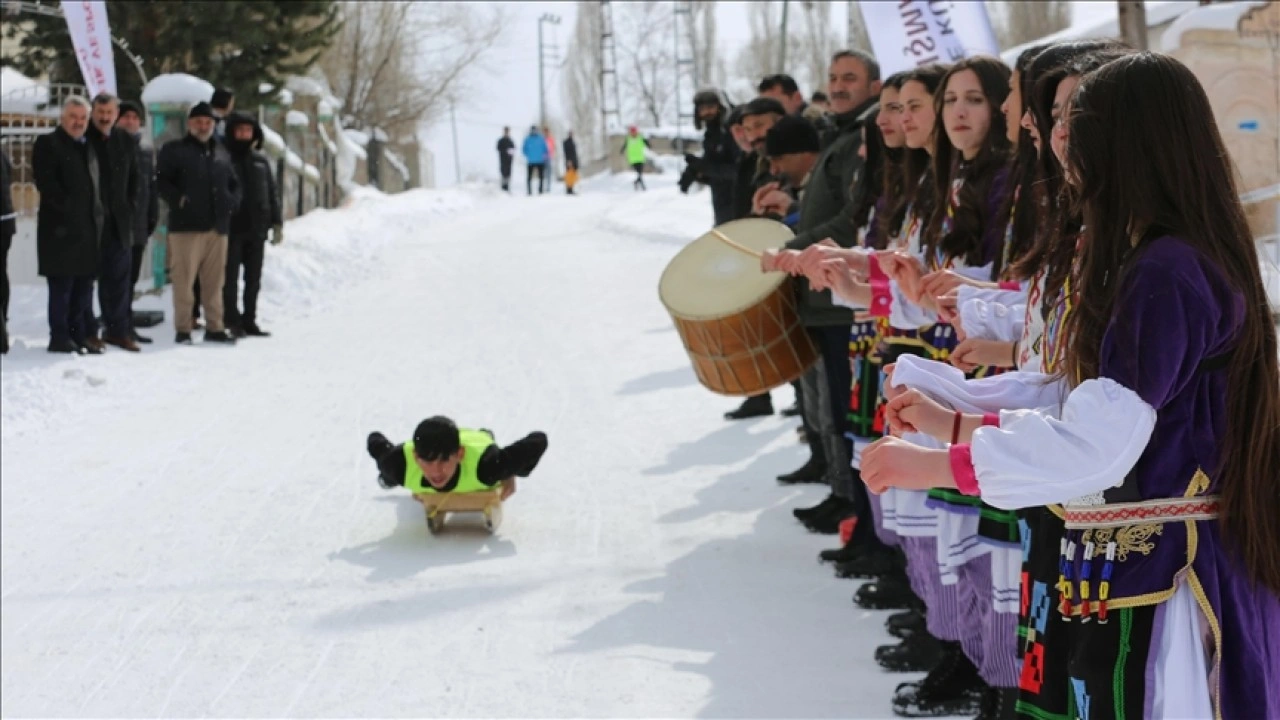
[[535, 157]]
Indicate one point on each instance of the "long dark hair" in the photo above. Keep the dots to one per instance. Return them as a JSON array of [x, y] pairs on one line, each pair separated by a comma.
[[1146, 159], [965, 238], [920, 195], [893, 191], [1057, 251], [871, 178], [1021, 205]]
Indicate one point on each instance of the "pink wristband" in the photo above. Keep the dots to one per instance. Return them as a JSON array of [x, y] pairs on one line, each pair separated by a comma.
[[1010, 285], [874, 271], [992, 419], [962, 469]]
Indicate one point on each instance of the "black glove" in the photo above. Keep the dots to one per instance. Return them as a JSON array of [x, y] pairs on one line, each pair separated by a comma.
[[687, 178]]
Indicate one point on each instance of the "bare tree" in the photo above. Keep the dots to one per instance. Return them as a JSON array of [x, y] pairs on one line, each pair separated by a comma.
[[814, 43], [580, 86], [856, 36], [703, 39], [398, 65], [646, 49], [1016, 23], [759, 56]]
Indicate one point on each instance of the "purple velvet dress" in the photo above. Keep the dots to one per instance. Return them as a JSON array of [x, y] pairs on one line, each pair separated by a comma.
[[1176, 319]]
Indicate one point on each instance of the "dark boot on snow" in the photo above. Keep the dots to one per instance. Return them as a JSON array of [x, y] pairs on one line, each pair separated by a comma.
[[905, 624], [754, 406], [918, 653], [827, 522], [803, 514], [813, 471], [952, 687], [848, 552], [998, 704], [889, 593], [875, 563]]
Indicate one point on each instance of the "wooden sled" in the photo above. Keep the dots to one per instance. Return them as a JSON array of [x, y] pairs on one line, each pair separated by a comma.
[[440, 505]]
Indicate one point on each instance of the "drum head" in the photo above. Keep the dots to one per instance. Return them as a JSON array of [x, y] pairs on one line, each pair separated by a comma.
[[711, 279]]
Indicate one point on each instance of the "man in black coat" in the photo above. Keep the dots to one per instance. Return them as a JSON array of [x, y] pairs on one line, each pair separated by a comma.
[[259, 212], [118, 186], [8, 226], [197, 182], [570, 158], [147, 213], [506, 155], [68, 222], [719, 162]]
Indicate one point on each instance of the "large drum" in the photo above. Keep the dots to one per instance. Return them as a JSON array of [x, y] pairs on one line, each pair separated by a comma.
[[738, 324]]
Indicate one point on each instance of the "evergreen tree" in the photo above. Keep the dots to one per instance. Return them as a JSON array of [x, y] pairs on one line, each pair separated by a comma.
[[236, 44]]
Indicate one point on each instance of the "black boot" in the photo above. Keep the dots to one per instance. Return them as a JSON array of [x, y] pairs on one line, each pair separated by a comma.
[[803, 514], [952, 687], [917, 653], [998, 703], [792, 411], [890, 593], [877, 563], [814, 470], [378, 445], [828, 523], [905, 624], [754, 406], [849, 552]]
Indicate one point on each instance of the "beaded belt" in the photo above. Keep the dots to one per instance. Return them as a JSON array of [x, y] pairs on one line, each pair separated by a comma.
[[1113, 515], [1081, 517]]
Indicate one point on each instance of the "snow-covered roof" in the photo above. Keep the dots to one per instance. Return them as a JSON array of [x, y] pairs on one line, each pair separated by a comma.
[[176, 89], [1158, 13], [296, 118], [1218, 16], [23, 95], [11, 80]]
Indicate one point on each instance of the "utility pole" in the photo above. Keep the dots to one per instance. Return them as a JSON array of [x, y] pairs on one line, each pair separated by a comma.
[[542, 94], [1133, 23]]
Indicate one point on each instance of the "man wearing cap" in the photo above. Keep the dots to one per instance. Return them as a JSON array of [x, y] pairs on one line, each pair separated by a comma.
[[198, 183], [830, 198], [147, 212], [792, 145]]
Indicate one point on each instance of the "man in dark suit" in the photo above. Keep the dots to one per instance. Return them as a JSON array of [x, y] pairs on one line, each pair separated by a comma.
[[118, 182], [66, 173]]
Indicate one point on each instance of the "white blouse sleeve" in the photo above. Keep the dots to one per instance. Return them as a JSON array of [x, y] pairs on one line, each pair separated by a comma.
[[1034, 459], [906, 315], [947, 384]]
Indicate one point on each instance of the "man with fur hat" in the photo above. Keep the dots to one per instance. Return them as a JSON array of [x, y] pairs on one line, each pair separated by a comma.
[[259, 212], [195, 178], [718, 165]]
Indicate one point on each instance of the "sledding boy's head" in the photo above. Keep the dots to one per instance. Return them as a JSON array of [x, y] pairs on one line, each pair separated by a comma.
[[438, 449]]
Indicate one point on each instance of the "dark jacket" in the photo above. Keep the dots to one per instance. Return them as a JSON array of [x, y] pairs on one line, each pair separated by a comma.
[[66, 231], [826, 211], [259, 208], [147, 214], [119, 180], [570, 153], [8, 220], [198, 184], [744, 186], [719, 168], [506, 153]]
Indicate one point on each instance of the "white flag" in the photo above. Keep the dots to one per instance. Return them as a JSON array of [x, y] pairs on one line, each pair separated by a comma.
[[910, 33], [91, 38]]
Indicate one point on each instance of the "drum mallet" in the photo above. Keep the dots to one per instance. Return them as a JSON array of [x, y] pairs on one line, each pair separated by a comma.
[[736, 245]]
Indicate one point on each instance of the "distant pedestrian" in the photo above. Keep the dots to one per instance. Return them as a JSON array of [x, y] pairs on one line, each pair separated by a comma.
[[634, 149], [535, 157], [506, 155]]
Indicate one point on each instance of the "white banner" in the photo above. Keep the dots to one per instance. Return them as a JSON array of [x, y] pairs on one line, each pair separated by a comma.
[[909, 33], [91, 38]]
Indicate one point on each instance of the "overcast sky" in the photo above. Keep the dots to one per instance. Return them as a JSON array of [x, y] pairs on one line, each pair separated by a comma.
[[509, 96]]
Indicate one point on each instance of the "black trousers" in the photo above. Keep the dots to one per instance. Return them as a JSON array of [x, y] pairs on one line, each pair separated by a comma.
[[4, 290], [115, 292], [833, 343], [70, 305], [245, 250], [541, 169], [639, 168], [139, 252], [505, 168]]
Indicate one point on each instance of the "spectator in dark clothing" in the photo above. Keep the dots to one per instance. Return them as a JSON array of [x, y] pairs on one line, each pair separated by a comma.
[[570, 161], [259, 212], [118, 186], [506, 156], [719, 162], [195, 178], [222, 103], [8, 227], [71, 213], [146, 214]]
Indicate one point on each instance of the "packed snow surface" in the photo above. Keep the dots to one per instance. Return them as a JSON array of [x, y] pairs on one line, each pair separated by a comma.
[[197, 531]]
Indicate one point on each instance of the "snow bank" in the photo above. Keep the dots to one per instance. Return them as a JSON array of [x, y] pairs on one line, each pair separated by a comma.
[[176, 89], [1219, 16], [296, 118]]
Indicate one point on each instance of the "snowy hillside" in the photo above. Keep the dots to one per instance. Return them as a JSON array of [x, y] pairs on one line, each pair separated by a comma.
[[198, 530]]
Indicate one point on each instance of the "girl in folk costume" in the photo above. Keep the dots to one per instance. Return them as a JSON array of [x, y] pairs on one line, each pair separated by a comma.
[[1035, 563], [1167, 447]]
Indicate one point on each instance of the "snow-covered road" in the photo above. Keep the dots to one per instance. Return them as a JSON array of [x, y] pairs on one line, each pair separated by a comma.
[[196, 531]]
